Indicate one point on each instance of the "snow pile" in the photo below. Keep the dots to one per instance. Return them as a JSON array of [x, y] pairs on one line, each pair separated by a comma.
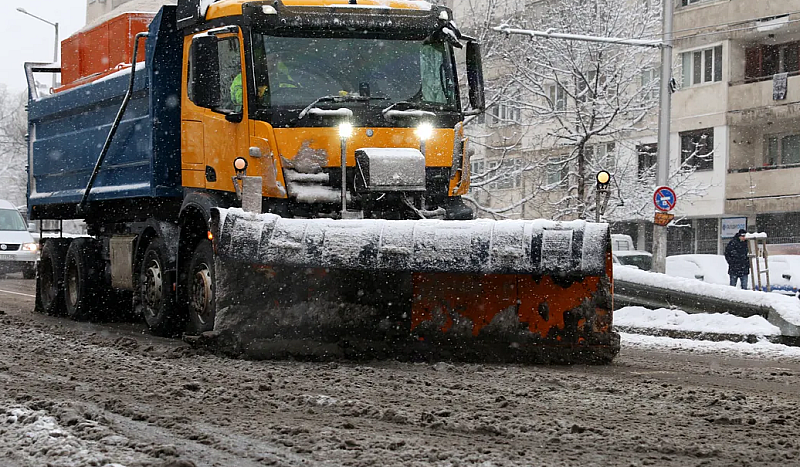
[[787, 307], [678, 320], [761, 349], [35, 435]]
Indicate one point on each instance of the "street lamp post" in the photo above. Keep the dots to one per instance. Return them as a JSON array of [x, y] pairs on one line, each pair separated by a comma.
[[56, 45]]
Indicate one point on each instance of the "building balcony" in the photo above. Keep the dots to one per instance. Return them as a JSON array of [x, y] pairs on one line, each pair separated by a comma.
[[696, 17], [763, 190], [753, 104]]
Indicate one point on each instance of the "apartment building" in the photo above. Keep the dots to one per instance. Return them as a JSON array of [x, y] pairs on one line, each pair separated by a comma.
[[735, 122], [740, 74], [98, 9]]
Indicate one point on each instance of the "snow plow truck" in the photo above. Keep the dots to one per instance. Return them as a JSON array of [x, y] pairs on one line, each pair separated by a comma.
[[285, 178]]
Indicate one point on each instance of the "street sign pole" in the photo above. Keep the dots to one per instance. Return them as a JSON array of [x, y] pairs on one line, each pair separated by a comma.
[[665, 103]]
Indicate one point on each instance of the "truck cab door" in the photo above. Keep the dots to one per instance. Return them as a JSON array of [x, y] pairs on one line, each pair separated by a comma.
[[215, 126]]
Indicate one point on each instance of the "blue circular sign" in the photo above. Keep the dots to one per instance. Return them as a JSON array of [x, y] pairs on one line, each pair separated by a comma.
[[664, 198]]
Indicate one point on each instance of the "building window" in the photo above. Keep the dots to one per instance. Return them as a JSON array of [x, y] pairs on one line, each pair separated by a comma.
[[702, 66], [781, 150], [648, 157], [697, 148], [602, 155], [764, 61], [650, 86], [557, 170], [690, 2], [505, 114], [590, 86], [558, 97], [503, 176]]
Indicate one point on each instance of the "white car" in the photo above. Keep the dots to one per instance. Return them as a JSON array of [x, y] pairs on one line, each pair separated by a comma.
[[19, 252]]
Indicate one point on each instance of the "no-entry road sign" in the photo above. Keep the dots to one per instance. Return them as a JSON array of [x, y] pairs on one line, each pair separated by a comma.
[[664, 198]]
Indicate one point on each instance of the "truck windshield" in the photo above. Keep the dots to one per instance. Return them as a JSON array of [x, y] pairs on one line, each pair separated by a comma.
[[294, 71], [10, 219]]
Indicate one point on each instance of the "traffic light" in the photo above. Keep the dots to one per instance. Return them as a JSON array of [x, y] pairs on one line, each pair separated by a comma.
[[603, 179]]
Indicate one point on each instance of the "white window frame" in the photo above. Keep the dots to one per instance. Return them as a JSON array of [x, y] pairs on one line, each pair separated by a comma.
[[607, 151], [477, 167], [555, 169], [504, 113], [779, 138], [558, 97], [688, 64], [650, 78]]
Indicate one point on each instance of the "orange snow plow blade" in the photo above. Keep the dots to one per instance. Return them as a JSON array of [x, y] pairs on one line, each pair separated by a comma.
[[478, 291]]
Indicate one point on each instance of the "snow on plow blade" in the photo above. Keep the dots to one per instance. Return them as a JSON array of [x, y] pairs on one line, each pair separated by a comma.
[[488, 291]]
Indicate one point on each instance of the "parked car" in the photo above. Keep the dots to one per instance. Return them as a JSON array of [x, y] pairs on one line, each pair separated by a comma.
[[19, 252], [639, 259], [626, 254]]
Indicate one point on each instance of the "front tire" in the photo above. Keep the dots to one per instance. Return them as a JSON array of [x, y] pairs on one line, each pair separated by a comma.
[[50, 278], [202, 300], [156, 301], [83, 279]]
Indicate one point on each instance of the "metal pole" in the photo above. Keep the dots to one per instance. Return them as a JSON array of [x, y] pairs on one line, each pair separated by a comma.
[[665, 103], [55, 25], [55, 56], [344, 177]]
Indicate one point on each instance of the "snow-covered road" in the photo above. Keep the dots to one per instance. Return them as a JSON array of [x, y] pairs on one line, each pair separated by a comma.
[[75, 394]]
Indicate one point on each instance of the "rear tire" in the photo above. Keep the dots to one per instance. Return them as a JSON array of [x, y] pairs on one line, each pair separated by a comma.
[[83, 279], [50, 277], [202, 301], [156, 301]]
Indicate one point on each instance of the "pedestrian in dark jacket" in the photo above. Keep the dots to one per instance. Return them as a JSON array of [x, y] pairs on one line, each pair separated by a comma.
[[736, 256]]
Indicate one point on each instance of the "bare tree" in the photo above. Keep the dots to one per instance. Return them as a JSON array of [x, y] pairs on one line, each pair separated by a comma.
[[563, 110], [13, 146]]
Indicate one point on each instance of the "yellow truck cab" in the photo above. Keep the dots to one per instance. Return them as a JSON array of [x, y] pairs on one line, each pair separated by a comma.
[[306, 91]]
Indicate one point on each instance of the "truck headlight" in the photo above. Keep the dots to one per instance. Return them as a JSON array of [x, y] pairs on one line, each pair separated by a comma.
[[425, 131], [30, 247]]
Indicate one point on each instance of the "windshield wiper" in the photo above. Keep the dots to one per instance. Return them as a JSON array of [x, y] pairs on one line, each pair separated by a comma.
[[412, 111], [348, 98]]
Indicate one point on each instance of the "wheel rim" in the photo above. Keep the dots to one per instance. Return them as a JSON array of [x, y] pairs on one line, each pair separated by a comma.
[[153, 287], [72, 285], [201, 294]]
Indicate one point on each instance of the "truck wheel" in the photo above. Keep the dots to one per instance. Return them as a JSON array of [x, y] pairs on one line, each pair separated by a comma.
[[202, 303], [156, 300], [50, 279], [82, 279]]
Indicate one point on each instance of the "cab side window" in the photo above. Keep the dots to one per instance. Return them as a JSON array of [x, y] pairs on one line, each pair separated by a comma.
[[216, 65], [230, 75]]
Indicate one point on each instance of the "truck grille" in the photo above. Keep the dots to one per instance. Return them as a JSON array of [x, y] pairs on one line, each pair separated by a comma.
[[9, 247]]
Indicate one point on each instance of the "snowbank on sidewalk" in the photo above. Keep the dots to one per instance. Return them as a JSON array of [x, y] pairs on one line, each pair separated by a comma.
[[678, 320], [787, 307], [761, 349]]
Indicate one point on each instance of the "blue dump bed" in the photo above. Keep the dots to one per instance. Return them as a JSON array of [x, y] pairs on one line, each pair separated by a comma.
[[67, 132]]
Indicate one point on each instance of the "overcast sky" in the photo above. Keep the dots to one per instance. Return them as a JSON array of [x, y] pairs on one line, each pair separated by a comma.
[[26, 39]]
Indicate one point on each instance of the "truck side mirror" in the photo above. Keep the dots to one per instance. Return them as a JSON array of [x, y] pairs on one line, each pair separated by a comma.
[[477, 98], [31, 227], [204, 71]]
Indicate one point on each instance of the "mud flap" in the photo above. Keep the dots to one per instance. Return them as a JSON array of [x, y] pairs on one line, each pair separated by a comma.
[[486, 291]]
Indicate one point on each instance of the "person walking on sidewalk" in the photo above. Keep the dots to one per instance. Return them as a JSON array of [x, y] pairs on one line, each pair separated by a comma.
[[736, 256]]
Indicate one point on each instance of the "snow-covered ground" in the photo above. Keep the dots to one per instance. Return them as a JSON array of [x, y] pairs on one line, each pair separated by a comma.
[[761, 349], [635, 317], [677, 320]]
